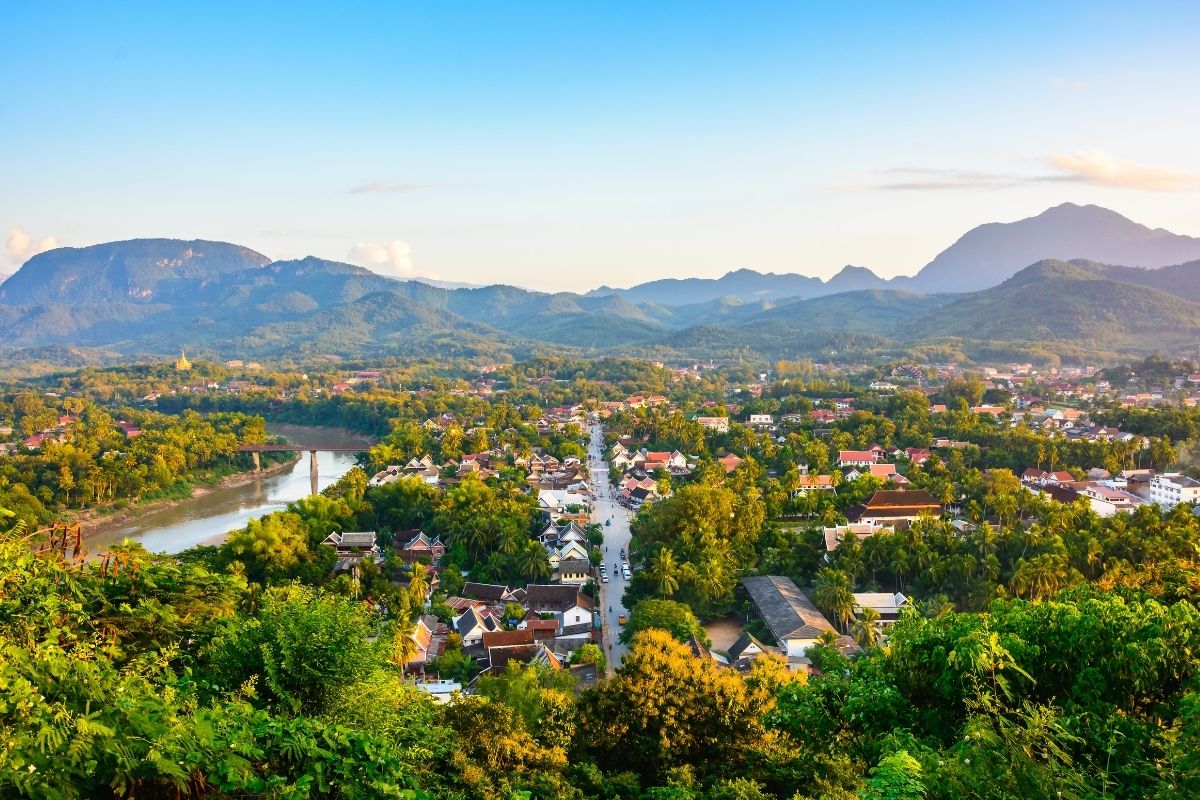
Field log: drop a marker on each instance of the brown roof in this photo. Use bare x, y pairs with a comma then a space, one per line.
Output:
521, 653
901, 498
555, 597
485, 591
507, 638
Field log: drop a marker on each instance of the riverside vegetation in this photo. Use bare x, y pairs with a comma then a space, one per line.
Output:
1051, 653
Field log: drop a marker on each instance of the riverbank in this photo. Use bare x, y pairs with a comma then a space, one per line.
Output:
97, 520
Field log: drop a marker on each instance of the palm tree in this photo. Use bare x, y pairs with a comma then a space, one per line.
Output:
832, 592
827, 639
510, 540
418, 583
404, 647
532, 562
662, 571
1039, 577
865, 629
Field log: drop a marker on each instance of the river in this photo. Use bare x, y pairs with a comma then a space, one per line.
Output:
209, 516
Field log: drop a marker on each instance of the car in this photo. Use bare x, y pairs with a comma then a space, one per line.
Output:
608, 522
621, 620
622, 552
603, 577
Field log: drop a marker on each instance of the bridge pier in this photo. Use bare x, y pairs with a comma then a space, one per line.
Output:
312, 469
257, 461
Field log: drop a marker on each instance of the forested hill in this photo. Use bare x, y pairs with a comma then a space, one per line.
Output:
983, 257
151, 297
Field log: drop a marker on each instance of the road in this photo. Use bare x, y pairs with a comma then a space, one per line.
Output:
616, 537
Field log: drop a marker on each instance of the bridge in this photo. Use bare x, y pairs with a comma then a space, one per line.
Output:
300, 448
312, 449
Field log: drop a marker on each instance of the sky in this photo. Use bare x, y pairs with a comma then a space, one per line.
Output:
561, 146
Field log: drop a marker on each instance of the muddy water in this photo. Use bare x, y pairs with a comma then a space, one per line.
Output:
207, 518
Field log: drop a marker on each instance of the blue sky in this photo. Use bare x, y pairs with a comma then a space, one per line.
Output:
565, 145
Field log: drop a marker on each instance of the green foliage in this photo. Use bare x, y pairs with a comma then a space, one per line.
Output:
304, 644
664, 615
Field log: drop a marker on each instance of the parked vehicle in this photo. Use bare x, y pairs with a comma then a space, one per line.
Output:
621, 620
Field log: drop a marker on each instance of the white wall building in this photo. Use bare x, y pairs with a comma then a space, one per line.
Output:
1171, 488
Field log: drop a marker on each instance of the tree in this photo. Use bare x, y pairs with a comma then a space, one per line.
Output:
663, 568
303, 644
533, 562
669, 616
865, 628
590, 654
895, 777
269, 548
667, 709
833, 594
404, 647
418, 584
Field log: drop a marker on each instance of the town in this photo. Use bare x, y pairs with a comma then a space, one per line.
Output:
512, 521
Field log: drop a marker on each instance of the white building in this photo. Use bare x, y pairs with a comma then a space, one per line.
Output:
789, 615
1171, 488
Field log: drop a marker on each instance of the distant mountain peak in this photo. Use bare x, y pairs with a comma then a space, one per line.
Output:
989, 254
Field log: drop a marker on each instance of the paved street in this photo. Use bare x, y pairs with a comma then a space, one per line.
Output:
616, 536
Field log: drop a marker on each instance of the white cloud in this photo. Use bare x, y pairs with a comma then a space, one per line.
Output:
1101, 169
392, 258
21, 247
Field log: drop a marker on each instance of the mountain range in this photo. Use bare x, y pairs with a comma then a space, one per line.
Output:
983, 257
154, 296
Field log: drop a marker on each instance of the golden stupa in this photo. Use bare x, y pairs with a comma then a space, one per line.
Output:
183, 364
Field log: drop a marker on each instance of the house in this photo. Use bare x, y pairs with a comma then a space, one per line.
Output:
441, 691
555, 501
416, 546
834, 536
813, 483
129, 429
541, 628
495, 642
555, 535
574, 571
359, 543
789, 615
622, 461
917, 455
473, 624
563, 600
488, 592
746, 649
890, 506
729, 462
536, 653
1043, 478
857, 458
422, 637
568, 550
719, 424
761, 420
884, 471
674, 461
888, 604
1171, 488
1107, 500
